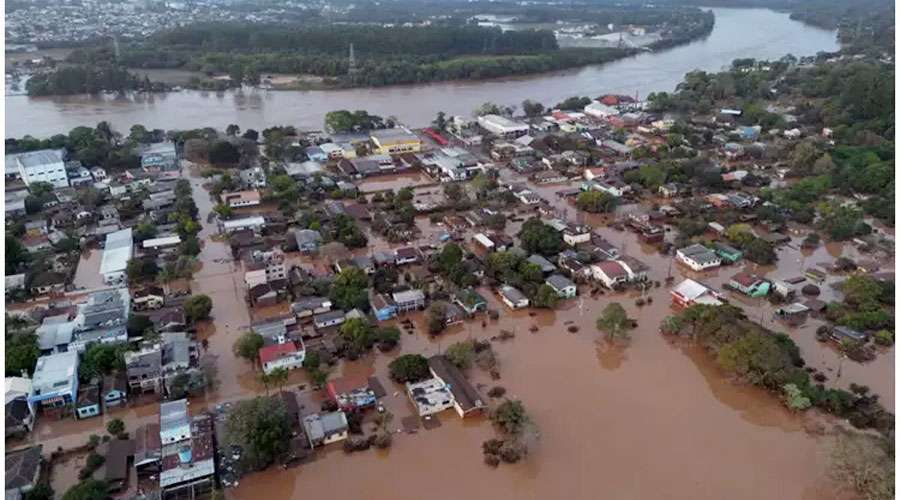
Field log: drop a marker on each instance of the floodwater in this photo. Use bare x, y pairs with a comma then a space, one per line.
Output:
648, 419
630, 427
756, 33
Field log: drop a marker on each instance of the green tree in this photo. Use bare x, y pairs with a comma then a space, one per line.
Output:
101, 359
532, 108
545, 297
795, 398
16, 254
461, 354
261, 426
538, 237
197, 308
510, 417
760, 251
357, 332
614, 322
247, 346
21, 353
596, 202
116, 427
409, 368
89, 489
349, 289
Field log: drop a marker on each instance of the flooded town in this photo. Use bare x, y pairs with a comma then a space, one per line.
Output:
685, 294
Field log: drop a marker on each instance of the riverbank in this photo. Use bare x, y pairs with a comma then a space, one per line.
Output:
734, 35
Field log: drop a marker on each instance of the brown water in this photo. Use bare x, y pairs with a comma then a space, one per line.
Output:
756, 33
631, 428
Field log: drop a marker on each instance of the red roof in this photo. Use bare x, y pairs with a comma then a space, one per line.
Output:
610, 100
274, 352
744, 279
612, 269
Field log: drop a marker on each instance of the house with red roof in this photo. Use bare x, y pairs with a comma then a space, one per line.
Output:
285, 355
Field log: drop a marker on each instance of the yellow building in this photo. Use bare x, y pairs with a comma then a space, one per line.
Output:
392, 141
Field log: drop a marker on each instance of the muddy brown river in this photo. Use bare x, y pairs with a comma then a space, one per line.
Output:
738, 33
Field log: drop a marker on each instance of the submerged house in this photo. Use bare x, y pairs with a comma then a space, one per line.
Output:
749, 284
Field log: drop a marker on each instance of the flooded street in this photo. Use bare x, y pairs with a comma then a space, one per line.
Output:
623, 420
625, 426
736, 34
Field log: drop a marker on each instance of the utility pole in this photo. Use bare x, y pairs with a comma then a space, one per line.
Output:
351, 64
115, 40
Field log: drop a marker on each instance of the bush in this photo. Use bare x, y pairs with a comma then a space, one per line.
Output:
884, 337
461, 354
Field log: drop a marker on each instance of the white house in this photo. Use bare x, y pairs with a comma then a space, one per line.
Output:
285, 355
326, 428
576, 234
46, 165
698, 257
502, 126
564, 287
690, 292
513, 298
599, 110
116, 254
610, 273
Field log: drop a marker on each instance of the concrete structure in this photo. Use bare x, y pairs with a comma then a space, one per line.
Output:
286, 355
512, 297
163, 242
241, 199
117, 251
564, 287
55, 382
255, 223
430, 396
409, 300
322, 429
46, 165
187, 464
698, 257
690, 292
611, 273
502, 126
392, 141
466, 399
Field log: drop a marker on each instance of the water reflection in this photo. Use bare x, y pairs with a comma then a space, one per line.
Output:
735, 35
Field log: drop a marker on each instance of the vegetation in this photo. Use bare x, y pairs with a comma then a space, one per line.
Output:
247, 346
540, 238
773, 361
261, 427
101, 359
116, 427
21, 353
349, 290
197, 308
595, 202
461, 354
516, 429
614, 321
385, 55
89, 489
866, 463
409, 368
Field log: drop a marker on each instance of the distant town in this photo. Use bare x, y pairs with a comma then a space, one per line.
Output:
186, 309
